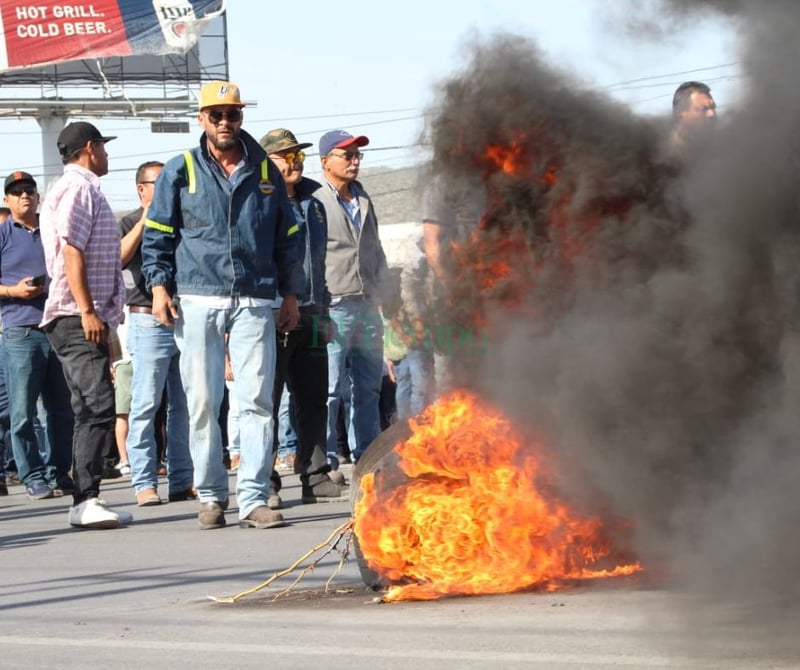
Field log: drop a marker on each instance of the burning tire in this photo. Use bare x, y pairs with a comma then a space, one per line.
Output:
460, 502
375, 457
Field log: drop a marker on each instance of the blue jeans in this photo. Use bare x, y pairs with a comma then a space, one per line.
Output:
32, 368
5, 435
234, 446
415, 383
358, 346
156, 365
200, 335
287, 437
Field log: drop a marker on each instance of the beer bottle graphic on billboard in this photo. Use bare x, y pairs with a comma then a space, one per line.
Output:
178, 23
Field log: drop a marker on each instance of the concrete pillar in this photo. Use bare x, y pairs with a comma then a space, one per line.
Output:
51, 159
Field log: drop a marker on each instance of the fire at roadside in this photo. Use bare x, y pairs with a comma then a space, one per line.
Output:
460, 508
642, 311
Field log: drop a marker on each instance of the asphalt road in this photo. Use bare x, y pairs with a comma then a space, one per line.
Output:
137, 597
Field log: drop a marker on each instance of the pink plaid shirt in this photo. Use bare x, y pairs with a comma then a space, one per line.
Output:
75, 212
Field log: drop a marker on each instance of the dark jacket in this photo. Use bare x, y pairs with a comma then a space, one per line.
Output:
313, 242
207, 236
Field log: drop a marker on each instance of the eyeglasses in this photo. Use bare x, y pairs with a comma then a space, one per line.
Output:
232, 115
148, 182
292, 157
349, 155
27, 190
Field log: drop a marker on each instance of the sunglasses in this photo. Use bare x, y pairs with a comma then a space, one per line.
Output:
349, 155
292, 157
18, 191
233, 115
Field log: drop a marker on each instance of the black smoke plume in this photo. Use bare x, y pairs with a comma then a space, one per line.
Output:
649, 324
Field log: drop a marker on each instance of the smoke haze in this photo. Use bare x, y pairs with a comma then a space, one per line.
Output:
655, 339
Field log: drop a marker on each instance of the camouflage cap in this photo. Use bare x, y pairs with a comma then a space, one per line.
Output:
281, 139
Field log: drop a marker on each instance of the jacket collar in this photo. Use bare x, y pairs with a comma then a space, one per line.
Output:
253, 151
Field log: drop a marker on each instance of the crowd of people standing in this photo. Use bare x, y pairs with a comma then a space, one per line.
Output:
234, 261
243, 279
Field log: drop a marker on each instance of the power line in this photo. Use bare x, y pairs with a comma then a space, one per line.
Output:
676, 83
671, 74
284, 120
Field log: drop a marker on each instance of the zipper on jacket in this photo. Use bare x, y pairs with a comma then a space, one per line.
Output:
304, 211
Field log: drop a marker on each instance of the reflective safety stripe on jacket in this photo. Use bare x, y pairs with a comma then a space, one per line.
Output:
265, 181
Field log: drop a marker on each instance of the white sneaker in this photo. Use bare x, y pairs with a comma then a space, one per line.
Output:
93, 513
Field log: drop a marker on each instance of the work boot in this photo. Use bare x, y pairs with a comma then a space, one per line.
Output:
262, 517
212, 514
148, 497
274, 500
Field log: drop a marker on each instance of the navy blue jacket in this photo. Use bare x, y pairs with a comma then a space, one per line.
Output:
207, 236
314, 242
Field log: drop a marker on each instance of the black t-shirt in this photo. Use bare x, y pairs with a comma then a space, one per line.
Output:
132, 272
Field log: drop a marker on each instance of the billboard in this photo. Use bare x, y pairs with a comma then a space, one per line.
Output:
48, 32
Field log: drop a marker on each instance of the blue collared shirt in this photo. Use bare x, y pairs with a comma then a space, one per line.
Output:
21, 255
351, 207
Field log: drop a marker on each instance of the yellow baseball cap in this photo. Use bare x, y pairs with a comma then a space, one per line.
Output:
220, 93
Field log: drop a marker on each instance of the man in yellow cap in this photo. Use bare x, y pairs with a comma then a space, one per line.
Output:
220, 241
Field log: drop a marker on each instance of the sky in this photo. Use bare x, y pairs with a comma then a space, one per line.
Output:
372, 68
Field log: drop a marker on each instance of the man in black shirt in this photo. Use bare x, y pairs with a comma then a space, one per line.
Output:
155, 357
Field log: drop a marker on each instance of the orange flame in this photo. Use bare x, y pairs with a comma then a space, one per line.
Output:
515, 160
472, 512
510, 159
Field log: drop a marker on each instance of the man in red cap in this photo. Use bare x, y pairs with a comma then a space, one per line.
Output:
356, 272
85, 299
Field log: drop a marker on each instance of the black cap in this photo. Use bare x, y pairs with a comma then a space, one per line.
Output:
75, 136
19, 177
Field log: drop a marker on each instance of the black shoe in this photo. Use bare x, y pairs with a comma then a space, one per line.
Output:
325, 491
275, 482
110, 472
3, 489
180, 496
64, 485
